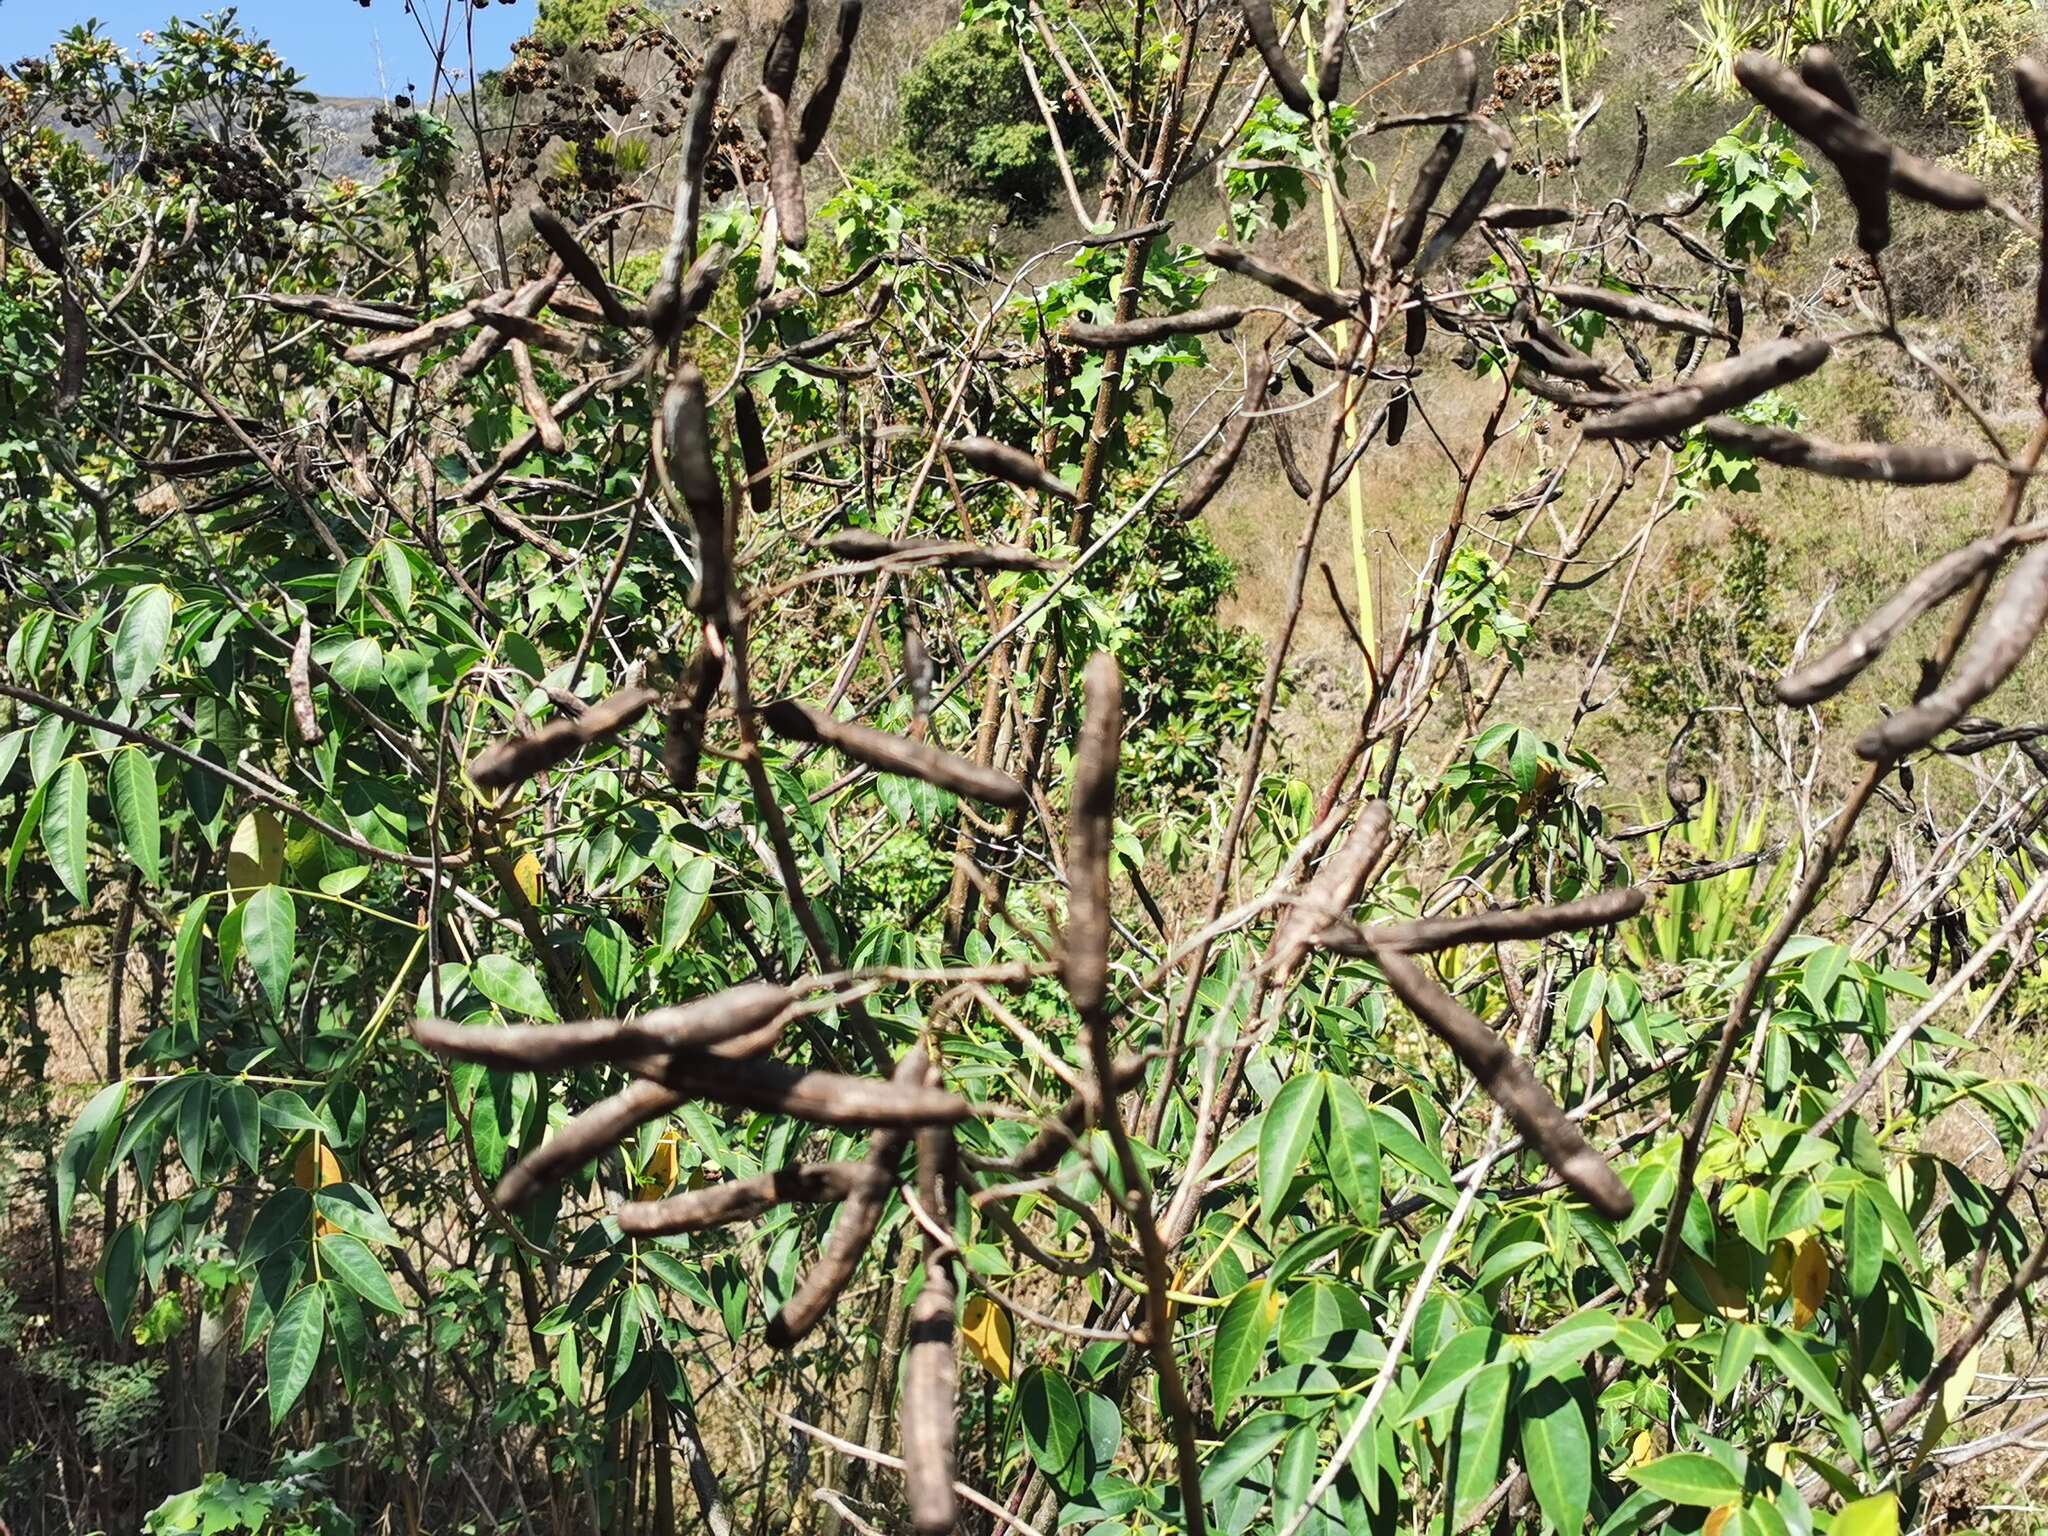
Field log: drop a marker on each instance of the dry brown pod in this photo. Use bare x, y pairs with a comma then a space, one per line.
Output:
1397, 418
518, 758
31, 224
785, 174
589, 1135
1406, 239
1507, 1080
1860, 153
338, 311
688, 434
852, 1231
1924, 181
889, 753
1283, 444
716, 1205
1330, 56
1997, 645
1258, 20
957, 554
824, 98
1216, 469
822, 1098
682, 739
1632, 306
1465, 213
928, 1410
740, 1022
299, 675
526, 303
1715, 388
746, 419
1933, 586
582, 266
1564, 362
785, 49
1524, 216
1011, 464
1091, 823
665, 309
1332, 892
534, 401
1424, 935
2030, 78
1417, 336
432, 333
1150, 328
1323, 303
1888, 463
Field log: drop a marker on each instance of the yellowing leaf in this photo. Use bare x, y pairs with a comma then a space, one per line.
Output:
1955, 1392
1687, 1319
1644, 1449
255, 853
1809, 1281
1775, 1456
1874, 1516
527, 873
1719, 1518
315, 1165
986, 1328
659, 1176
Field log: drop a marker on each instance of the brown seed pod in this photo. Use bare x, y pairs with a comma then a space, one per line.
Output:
2030, 77
1258, 20
824, 97
1091, 822
299, 675
1466, 212
385, 349
1150, 328
785, 49
588, 1135
956, 554
929, 1383
852, 1231
534, 401
1997, 645
1397, 418
1332, 893
1631, 306
717, 1205
887, 753
1429, 180
746, 419
785, 174
491, 339
1859, 152
1924, 181
695, 477
1523, 216
1330, 57
739, 1022
1507, 1080
1424, 935
1217, 468
682, 741
582, 266
1011, 464
1933, 586
1711, 390
338, 311
1417, 336
917, 675
518, 758
30, 223
1889, 463
1283, 443
822, 1098
1323, 303
1560, 359
664, 300
72, 359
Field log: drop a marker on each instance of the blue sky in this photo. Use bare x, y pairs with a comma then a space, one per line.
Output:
342, 48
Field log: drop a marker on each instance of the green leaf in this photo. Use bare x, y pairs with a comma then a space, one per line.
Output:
131, 782
142, 639
1687, 1477
346, 1256
1566, 1343
1874, 1516
1284, 1134
195, 1125
397, 573
358, 666
241, 1118
64, 814
687, 895
512, 986
1240, 1347
1476, 1442
270, 939
1452, 1370
353, 1209
31, 818
1323, 1321
1053, 1432
1557, 1453
118, 1275
1247, 1448
1805, 1373
293, 1349
88, 1149
1863, 1239
1353, 1149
